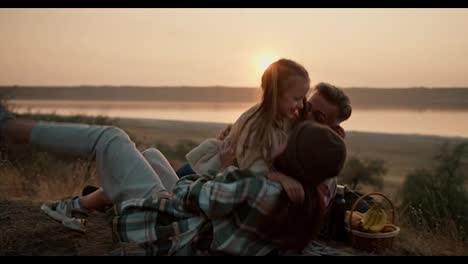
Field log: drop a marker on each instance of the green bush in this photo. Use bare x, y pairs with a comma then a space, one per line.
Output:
438, 199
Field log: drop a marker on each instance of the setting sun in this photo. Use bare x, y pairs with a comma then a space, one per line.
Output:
263, 61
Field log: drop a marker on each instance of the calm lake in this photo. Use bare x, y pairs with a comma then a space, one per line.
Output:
442, 123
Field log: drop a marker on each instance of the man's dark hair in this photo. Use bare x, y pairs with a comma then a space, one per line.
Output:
337, 97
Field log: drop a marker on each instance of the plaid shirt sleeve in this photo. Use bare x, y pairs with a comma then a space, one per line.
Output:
233, 200
218, 196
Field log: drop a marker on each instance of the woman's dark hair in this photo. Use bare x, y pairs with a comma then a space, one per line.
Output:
314, 153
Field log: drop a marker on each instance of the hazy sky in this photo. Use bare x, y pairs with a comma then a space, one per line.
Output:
346, 47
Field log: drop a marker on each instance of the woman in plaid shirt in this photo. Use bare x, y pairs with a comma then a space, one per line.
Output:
233, 212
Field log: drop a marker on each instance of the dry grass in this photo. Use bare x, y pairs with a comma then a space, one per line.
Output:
46, 177
40, 176
427, 242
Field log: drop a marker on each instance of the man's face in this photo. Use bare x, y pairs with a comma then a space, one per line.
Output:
322, 111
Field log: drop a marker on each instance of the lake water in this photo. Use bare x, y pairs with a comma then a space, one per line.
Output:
442, 123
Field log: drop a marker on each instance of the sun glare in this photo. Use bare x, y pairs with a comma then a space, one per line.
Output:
263, 62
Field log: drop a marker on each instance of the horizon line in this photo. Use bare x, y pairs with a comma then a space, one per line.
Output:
218, 86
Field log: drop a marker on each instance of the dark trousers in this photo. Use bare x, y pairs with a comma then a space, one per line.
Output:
184, 170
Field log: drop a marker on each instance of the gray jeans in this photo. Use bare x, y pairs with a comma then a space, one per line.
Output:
124, 172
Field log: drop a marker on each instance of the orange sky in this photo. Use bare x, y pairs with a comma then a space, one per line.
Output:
152, 47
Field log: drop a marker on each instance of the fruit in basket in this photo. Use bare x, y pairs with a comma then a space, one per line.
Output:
388, 228
374, 219
355, 220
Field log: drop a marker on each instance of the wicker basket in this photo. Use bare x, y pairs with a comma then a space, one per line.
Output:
372, 242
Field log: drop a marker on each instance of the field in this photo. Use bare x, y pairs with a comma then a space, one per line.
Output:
30, 177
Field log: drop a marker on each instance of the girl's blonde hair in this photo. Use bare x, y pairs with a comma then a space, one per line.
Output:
274, 84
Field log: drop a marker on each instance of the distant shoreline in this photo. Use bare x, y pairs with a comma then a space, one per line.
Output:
419, 99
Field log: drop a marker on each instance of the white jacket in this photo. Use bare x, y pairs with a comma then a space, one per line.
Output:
205, 156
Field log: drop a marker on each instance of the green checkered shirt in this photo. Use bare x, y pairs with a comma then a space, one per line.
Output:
205, 215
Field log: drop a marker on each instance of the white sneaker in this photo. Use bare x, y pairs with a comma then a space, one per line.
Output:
64, 212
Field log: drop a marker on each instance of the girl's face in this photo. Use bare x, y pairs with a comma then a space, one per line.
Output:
290, 102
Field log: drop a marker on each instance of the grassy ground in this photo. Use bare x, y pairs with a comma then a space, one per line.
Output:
29, 177
27, 231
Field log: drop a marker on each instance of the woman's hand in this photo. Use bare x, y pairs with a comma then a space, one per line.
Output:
227, 154
293, 188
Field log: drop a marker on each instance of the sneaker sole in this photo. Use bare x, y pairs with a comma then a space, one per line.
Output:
72, 223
